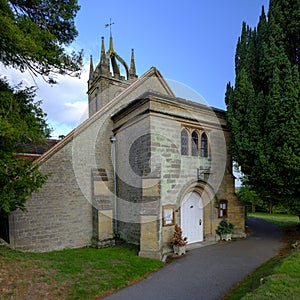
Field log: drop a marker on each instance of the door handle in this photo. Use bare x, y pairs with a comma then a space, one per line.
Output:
200, 222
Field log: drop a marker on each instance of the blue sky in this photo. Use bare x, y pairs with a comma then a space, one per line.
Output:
192, 42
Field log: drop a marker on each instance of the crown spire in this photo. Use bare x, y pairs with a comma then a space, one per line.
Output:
110, 70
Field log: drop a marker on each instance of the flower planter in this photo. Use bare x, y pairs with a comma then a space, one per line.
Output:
224, 230
178, 241
179, 250
226, 237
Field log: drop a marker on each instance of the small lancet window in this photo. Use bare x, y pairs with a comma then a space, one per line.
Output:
184, 142
195, 140
204, 145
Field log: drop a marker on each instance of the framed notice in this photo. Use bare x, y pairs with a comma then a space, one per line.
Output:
168, 215
223, 208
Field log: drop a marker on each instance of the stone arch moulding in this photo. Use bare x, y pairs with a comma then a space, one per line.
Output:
202, 188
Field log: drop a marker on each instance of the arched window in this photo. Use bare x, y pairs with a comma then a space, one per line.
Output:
184, 142
195, 140
204, 145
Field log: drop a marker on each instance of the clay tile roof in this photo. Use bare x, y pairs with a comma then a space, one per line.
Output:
32, 151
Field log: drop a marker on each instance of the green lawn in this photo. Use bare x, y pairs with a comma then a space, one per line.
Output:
280, 220
279, 278
284, 283
85, 273
91, 273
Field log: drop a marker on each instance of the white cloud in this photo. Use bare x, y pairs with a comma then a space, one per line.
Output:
183, 91
76, 111
65, 103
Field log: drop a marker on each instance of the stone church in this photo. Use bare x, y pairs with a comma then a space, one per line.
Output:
142, 162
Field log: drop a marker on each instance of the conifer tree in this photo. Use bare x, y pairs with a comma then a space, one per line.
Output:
33, 36
264, 105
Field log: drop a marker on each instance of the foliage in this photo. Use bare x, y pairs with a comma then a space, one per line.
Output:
249, 197
22, 121
263, 107
33, 36
177, 238
254, 203
224, 227
85, 273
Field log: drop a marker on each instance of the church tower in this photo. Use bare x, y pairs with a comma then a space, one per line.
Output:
106, 81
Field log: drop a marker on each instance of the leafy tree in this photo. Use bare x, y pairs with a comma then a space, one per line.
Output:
33, 36
264, 105
22, 121
249, 197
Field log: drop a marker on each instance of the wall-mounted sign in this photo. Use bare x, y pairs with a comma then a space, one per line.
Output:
168, 215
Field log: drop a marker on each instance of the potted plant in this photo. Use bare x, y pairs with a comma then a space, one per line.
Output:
178, 241
224, 230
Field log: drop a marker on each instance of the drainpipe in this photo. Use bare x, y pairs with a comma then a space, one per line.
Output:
113, 140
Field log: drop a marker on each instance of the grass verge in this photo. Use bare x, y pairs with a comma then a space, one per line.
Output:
283, 283
282, 221
71, 274
278, 278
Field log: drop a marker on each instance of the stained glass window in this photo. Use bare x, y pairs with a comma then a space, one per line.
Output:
204, 145
195, 140
184, 142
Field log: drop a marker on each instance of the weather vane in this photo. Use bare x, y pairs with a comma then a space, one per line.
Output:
109, 25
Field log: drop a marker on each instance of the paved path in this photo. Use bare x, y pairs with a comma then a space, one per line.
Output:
208, 272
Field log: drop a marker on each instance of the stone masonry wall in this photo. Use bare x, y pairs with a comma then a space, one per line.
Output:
105, 90
179, 173
236, 209
60, 214
56, 217
133, 155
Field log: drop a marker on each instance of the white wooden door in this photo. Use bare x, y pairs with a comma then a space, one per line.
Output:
192, 217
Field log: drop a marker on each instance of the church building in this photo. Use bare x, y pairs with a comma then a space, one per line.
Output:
142, 162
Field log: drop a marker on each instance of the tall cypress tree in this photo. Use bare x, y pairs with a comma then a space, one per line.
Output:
264, 105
